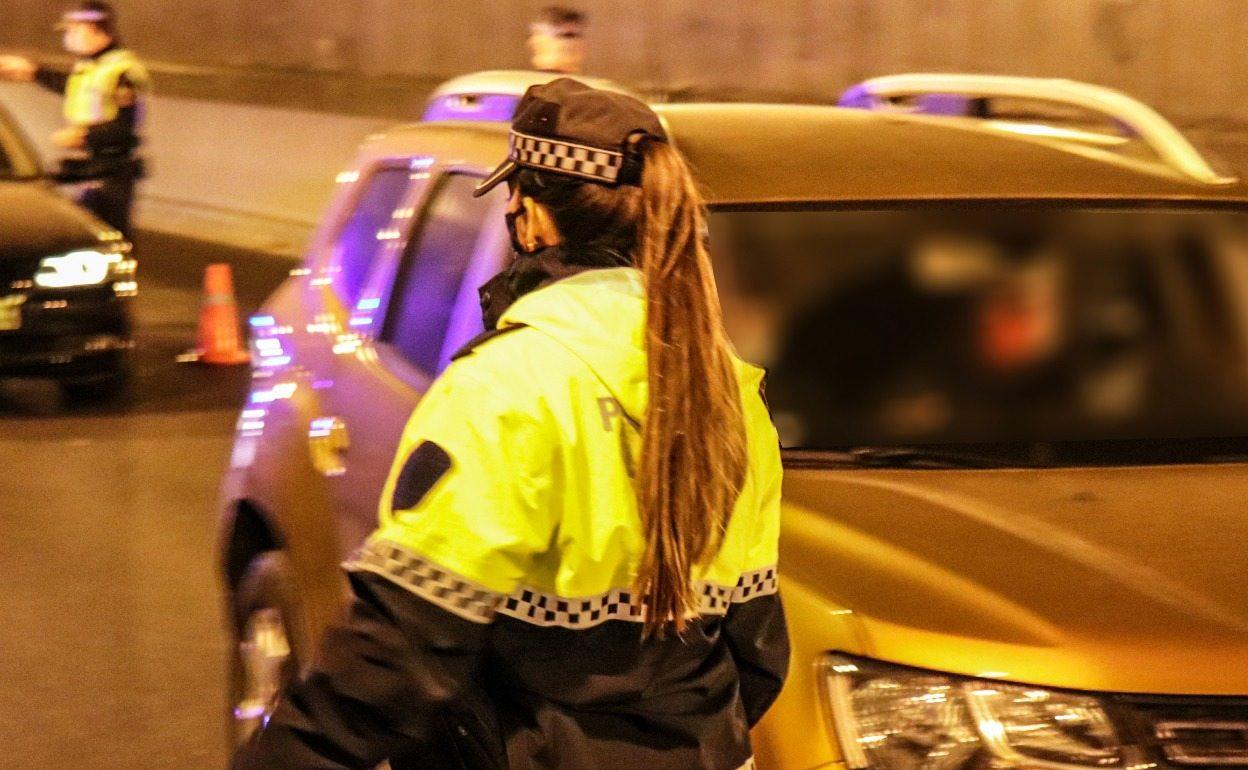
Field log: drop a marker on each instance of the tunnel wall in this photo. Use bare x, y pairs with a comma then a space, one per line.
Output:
271, 96
1182, 55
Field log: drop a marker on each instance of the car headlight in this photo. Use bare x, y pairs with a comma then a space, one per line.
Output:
894, 718
86, 267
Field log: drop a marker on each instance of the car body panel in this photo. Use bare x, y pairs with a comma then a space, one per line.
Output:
750, 153
22, 158
297, 500
271, 466
1047, 577
36, 222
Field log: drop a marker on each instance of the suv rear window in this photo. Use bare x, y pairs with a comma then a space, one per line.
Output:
430, 283
1033, 334
361, 237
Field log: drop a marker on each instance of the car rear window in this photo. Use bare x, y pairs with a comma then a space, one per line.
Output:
364, 232
431, 280
1024, 331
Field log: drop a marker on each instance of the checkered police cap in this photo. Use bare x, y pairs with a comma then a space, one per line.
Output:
566, 127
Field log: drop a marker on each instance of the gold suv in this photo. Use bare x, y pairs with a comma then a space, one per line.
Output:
1008, 360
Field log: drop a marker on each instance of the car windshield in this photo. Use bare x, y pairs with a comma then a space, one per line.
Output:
1036, 334
17, 160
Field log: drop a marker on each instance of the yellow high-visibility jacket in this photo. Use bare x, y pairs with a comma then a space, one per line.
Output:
542, 428
91, 92
502, 571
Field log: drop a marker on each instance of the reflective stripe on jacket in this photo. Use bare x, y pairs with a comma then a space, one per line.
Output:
497, 591
91, 91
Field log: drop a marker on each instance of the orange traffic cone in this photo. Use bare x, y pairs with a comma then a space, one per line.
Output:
219, 340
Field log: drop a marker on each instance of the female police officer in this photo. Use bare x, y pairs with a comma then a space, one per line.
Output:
576, 564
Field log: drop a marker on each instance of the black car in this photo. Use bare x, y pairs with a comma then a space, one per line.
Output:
66, 282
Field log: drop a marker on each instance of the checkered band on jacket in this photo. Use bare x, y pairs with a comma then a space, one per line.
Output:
432, 583
754, 584
474, 602
566, 157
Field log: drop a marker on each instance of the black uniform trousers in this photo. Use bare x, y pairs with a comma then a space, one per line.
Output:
110, 198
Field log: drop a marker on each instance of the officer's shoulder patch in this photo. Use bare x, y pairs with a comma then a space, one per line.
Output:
424, 467
483, 338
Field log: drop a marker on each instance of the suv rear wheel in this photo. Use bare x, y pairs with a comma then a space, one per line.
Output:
268, 641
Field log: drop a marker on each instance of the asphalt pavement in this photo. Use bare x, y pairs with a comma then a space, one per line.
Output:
112, 645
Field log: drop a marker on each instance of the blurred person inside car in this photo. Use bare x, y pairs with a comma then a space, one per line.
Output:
1013, 330
577, 553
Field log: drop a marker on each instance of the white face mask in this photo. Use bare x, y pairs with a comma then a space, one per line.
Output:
554, 51
81, 40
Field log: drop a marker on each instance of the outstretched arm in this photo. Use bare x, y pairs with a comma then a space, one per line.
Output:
21, 70
52, 80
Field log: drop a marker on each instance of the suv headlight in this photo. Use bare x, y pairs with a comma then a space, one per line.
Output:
85, 267
894, 718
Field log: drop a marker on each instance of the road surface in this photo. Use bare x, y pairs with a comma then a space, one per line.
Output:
112, 647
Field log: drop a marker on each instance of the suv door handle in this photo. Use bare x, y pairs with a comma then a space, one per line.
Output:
327, 442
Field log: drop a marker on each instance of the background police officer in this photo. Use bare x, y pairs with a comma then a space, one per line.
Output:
557, 40
104, 96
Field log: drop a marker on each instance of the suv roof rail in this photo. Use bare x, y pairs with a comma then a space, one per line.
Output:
1166, 141
493, 96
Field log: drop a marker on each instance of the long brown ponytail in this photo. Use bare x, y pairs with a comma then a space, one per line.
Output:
693, 451
693, 447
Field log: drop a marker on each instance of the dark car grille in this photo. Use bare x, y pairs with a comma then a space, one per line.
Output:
1189, 732
15, 270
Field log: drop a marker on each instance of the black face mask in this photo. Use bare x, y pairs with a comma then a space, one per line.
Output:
511, 217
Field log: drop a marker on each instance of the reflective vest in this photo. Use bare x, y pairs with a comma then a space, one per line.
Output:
91, 93
529, 491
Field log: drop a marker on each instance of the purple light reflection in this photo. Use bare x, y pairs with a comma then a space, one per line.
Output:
477, 107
